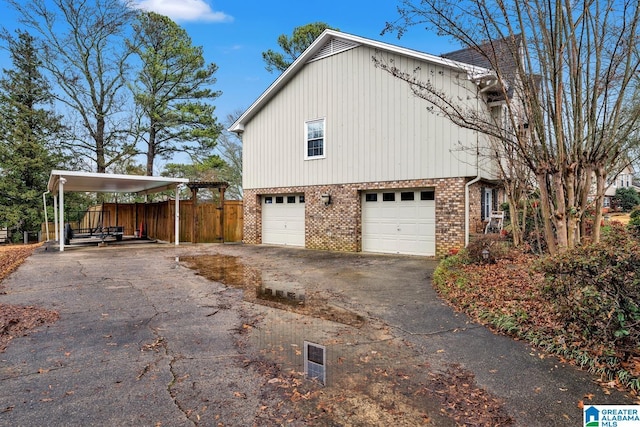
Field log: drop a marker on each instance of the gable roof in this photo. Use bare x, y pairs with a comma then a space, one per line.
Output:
498, 55
331, 42
493, 54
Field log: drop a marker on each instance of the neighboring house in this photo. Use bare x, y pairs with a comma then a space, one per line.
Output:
338, 154
623, 180
4, 235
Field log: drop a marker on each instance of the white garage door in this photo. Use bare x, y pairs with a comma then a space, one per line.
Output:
399, 221
283, 219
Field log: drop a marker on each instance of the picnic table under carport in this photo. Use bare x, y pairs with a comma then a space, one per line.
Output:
61, 181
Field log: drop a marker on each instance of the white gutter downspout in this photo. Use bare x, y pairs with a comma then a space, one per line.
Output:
493, 83
46, 219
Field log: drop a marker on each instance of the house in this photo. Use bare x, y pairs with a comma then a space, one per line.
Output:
623, 180
4, 235
341, 155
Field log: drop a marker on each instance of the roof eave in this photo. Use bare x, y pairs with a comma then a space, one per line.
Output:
239, 124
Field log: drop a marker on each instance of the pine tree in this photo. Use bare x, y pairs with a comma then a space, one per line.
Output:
28, 133
172, 90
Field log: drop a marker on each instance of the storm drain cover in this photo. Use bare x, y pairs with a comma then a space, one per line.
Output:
315, 356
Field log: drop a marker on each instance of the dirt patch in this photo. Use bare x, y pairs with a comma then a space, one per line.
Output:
16, 321
381, 380
622, 218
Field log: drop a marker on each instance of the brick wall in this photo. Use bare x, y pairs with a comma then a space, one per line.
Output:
475, 208
337, 227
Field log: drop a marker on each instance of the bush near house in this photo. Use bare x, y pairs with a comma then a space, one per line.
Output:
582, 305
626, 199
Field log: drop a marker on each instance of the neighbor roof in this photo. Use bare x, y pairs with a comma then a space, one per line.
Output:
343, 41
111, 183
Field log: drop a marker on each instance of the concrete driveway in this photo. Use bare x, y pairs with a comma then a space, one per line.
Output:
143, 340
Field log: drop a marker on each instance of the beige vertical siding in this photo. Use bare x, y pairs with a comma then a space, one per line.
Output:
376, 129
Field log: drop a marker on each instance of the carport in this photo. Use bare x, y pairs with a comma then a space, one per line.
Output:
61, 181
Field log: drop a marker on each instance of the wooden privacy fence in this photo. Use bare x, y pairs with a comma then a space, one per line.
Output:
210, 224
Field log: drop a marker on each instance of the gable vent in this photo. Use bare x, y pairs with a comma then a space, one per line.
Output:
332, 47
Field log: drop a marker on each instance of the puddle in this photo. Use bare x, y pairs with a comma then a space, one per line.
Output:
270, 288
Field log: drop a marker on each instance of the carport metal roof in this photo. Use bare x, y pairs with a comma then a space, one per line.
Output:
111, 183
61, 181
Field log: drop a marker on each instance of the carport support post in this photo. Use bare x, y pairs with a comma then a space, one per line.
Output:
177, 216
194, 214
55, 218
61, 183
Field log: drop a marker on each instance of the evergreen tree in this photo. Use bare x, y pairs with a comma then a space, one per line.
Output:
293, 46
172, 90
28, 132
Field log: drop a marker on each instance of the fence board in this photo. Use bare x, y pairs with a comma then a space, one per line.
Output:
156, 220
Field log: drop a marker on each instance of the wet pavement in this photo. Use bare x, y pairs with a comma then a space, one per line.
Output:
144, 340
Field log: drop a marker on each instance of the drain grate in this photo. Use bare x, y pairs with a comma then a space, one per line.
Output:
315, 356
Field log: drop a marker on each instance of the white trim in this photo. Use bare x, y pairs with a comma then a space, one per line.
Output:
324, 139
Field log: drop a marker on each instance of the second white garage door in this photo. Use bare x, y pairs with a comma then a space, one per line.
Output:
399, 221
283, 219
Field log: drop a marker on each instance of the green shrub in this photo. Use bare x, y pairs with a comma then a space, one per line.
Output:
627, 198
596, 291
448, 270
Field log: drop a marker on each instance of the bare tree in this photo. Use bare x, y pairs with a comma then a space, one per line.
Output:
563, 74
230, 147
83, 48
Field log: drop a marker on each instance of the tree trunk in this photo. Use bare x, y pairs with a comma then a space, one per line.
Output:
545, 207
151, 149
101, 163
571, 213
560, 214
599, 202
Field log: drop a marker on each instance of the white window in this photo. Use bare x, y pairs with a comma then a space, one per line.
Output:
314, 139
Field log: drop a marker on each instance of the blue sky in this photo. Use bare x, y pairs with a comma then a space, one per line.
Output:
234, 34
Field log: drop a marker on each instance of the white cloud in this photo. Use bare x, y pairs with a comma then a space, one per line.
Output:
183, 10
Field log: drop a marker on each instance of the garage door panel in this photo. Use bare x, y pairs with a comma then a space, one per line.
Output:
398, 226
283, 223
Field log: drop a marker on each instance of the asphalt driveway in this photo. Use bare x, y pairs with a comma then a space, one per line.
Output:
144, 340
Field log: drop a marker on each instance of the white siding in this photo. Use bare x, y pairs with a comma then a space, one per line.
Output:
376, 129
